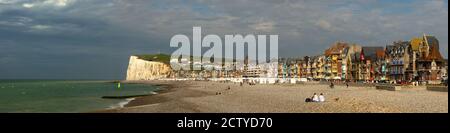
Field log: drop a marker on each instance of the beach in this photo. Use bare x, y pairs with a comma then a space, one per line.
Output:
215, 97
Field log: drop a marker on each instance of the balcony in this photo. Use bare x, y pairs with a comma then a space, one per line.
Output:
423, 68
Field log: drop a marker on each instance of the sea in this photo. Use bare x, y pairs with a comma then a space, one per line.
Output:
65, 96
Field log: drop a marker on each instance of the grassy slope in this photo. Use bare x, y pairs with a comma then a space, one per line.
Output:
155, 57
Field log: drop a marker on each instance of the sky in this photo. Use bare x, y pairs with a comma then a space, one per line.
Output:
93, 39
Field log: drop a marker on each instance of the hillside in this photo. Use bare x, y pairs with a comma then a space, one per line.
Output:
155, 57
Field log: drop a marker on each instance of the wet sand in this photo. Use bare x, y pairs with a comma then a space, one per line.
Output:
215, 97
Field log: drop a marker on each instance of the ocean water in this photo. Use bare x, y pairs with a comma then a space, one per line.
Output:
57, 96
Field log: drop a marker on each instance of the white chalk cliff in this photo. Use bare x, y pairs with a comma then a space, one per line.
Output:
139, 69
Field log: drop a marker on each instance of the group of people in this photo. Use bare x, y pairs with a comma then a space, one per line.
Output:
332, 84
316, 98
248, 82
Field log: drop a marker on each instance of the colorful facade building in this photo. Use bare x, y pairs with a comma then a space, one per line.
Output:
381, 66
333, 59
306, 67
317, 67
401, 62
398, 59
352, 62
429, 61
416, 61
444, 72
370, 63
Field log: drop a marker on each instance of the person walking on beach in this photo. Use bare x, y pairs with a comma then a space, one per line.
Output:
321, 98
315, 98
331, 85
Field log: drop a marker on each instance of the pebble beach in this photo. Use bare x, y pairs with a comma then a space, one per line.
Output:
218, 97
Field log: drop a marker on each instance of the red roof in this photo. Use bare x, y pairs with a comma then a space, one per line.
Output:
434, 53
336, 48
380, 54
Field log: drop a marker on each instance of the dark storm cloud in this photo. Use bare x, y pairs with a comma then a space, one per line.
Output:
94, 38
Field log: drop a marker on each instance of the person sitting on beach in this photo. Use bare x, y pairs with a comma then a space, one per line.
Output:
321, 98
315, 98
308, 100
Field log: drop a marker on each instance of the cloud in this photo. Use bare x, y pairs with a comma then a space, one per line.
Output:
324, 25
28, 5
60, 3
16, 21
110, 30
6, 2
263, 26
40, 27
48, 3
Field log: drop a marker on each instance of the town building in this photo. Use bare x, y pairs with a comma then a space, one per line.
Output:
429, 61
370, 58
398, 59
417, 61
333, 59
318, 67
352, 62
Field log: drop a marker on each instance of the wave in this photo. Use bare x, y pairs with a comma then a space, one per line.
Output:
121, 104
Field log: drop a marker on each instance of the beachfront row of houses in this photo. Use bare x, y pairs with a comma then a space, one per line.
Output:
417, 61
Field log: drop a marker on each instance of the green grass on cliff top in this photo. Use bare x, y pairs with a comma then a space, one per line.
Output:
164, 58
155, 57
